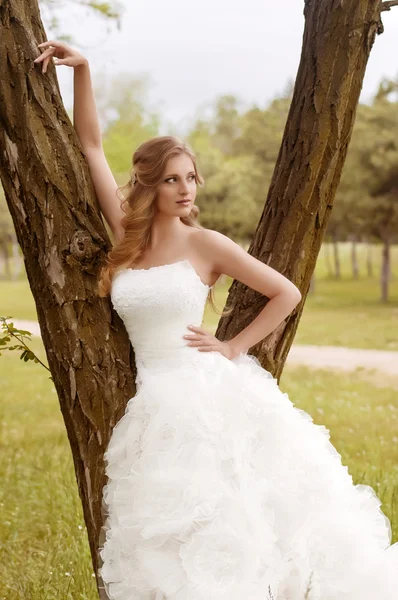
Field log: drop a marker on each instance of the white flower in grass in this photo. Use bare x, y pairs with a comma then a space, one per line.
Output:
67, 574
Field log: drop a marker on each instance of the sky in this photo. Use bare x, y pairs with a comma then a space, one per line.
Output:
195, 52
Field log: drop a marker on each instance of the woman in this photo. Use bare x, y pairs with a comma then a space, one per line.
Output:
218, 488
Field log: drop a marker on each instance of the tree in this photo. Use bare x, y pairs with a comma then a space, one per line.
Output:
63, 239
8, 244
367, 203
52, 15
231, 199
123, 106
378, 161
226, 123
309, 165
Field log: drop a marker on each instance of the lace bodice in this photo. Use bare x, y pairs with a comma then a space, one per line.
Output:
156, 306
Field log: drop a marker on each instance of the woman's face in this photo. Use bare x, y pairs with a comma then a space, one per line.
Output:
178, 184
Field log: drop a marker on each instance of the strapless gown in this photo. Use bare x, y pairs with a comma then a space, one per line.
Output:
218, 487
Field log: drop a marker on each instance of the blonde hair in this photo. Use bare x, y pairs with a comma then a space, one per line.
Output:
138, 203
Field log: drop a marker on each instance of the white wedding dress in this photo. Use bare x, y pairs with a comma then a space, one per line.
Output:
218, 487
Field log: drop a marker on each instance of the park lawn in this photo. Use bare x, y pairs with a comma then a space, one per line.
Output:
44, 553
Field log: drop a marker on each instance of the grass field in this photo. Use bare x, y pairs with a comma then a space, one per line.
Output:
44, 553
343, 312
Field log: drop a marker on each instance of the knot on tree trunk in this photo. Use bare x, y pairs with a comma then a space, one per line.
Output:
83, 250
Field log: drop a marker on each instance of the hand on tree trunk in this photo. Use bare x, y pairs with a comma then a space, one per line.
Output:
62, 54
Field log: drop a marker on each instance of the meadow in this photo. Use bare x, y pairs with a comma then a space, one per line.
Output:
44, 553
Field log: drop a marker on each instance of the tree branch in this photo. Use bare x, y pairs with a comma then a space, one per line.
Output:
388, 5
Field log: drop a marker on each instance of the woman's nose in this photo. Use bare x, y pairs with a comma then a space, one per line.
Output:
184, 189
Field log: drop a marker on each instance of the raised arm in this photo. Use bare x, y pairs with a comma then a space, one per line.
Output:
86, 123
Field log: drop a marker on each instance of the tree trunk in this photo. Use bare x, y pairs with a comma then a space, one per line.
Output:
16, 256
6, 258
329, 269
385, 271
354, 258
336, 258
63, 240
369, 261
337, 41
311, 289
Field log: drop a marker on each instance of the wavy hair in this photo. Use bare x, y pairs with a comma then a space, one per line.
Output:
138, 201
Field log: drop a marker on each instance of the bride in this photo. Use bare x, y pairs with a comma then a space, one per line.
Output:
218, 487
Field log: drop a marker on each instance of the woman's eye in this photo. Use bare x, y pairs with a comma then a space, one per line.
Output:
174, 178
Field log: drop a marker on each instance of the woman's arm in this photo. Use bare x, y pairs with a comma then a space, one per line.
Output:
225, 256
86, 123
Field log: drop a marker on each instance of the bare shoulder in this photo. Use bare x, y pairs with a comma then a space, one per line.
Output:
216, 248
227, 257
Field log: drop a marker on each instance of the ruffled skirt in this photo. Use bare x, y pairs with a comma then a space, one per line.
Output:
220, 489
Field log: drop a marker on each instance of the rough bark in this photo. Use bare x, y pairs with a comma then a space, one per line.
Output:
337, 41
63, 239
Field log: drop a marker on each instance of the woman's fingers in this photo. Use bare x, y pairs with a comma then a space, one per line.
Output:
43, 56
208, 349
51, 43
197, 329
62, 61
204, 341
45, 59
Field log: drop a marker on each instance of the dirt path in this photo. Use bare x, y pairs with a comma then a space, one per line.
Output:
326, 357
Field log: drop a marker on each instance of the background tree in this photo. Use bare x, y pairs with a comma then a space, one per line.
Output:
367, 199
127, 119
10, 258
53, 13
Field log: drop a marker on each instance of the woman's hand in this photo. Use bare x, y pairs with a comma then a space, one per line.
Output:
62, 54
206, 342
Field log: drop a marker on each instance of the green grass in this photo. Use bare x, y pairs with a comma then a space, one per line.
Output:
16, 300
44, 553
